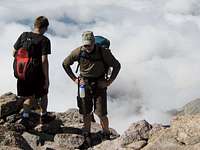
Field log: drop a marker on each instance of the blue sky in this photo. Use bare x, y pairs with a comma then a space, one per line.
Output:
156, 41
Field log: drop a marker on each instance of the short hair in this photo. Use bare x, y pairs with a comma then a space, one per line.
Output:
41, 22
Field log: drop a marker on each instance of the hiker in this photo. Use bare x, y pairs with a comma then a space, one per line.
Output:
92, 59
34, 85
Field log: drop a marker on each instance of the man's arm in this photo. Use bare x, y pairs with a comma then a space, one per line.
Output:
69, 72
45, 68
112, 62
116, 68
68, 61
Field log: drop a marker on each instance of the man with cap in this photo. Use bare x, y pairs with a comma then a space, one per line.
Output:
92, 59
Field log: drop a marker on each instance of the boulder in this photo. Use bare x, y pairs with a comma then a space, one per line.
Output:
12, 139
64, 131
9, 104
136, 132
184, 134
69, 140
70, 117
36, 140
191, 108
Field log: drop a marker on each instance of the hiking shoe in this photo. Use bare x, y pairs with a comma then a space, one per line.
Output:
46, 118
87, 141
84, 146
24, 121
106, 135
109, 135
87, 138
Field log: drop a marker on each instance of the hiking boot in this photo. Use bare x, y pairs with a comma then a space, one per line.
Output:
109, 135
46, 118
106, 135
84, 146
87, 140
24, 121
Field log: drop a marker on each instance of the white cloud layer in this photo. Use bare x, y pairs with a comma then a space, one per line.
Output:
156, 41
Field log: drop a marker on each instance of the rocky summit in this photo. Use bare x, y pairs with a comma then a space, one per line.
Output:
64, 131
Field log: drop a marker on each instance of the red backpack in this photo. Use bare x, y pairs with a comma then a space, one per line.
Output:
21, 63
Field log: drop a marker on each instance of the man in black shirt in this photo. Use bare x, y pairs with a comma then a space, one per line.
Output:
35, 87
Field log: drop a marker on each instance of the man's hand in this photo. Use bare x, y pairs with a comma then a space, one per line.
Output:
81, 81
76, 80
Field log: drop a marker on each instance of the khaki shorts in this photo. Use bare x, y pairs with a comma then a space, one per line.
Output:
96, 100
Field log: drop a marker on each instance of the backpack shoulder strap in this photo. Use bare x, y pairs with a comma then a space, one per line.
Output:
79, 56
101, 49
106, 67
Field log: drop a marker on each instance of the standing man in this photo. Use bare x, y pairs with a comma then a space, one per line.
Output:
93, 60
35, 86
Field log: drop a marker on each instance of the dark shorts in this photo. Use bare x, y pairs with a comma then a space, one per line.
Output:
31, 87
96, 100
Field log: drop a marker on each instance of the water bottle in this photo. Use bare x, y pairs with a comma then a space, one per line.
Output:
82, 90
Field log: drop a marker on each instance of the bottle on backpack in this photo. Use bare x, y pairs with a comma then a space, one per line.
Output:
82, 91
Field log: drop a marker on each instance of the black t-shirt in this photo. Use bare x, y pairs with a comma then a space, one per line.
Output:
41, 44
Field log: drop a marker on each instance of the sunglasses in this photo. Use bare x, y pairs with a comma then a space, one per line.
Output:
87, 46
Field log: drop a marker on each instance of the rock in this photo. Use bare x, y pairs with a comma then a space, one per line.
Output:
32, 140
12, 118
191, 108
137, 145
65, 132
69, 140
9, 104
136, 132
9, 148
14, 127
156, 128
111, 145
53, 146
70, 117
164, 139
37, 139
12, 139
184, 134
187, 129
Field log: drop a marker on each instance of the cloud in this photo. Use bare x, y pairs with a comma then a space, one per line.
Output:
186, 8
157, 43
